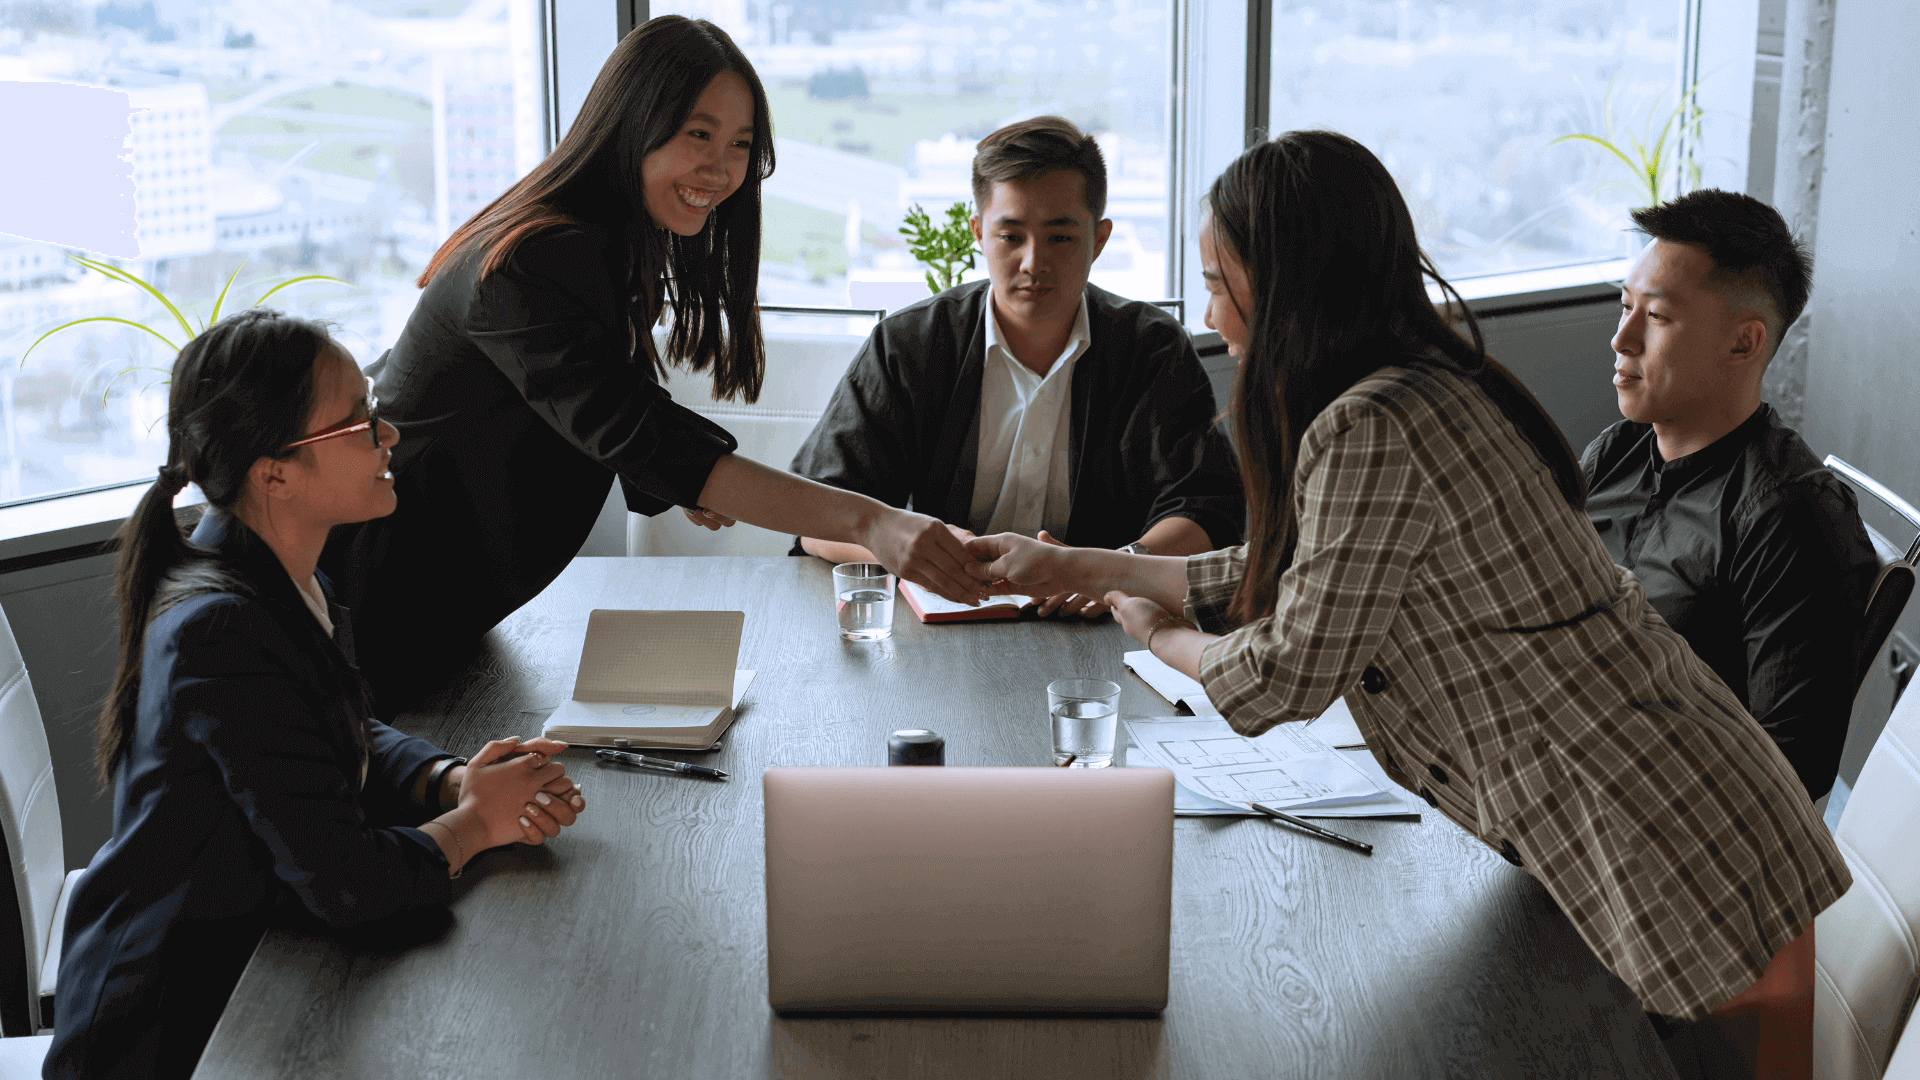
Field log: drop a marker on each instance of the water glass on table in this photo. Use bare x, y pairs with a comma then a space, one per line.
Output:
863, 597
1085, 714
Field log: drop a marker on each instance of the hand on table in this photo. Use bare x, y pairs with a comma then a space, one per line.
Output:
929, 553
711, 520
518, 792
1068, 604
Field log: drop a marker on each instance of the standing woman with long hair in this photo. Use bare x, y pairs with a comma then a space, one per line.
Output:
527, 378
1416, 544
247, 774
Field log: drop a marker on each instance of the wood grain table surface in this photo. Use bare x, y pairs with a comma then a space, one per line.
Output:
635, 943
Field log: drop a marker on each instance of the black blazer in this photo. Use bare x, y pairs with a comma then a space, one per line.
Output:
903, 426
518, 400
241, 791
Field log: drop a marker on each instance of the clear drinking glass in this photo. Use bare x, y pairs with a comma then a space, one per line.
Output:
1085, 714
863, 596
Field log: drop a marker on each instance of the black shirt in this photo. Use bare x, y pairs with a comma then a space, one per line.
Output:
519, 399
903, 426
1754, 553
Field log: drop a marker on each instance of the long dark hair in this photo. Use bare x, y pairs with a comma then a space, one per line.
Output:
241, 391
638, 103
1338, 293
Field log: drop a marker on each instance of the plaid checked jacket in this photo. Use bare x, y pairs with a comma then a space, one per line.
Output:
1502, 666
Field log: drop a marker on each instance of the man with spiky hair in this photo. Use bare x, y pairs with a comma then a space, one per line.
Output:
1746, 545
1034, 402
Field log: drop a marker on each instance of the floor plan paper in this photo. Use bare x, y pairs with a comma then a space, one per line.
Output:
1335, 726
1285, 768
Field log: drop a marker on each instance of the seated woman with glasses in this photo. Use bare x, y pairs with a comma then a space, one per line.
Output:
1416, 543
246, 770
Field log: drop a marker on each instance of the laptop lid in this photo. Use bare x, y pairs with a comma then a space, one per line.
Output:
968, 889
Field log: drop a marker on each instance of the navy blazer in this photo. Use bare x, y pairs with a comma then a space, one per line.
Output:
240, 790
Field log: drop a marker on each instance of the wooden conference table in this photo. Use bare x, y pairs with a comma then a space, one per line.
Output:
634, 944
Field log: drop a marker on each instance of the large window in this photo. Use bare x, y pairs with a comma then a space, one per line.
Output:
1461, 100
877, 105
343, 138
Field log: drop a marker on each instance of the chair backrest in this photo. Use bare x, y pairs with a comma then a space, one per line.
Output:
1894, 584
30, 829
1867, 946
802, 371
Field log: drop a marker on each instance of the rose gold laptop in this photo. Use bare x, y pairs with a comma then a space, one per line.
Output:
968, 890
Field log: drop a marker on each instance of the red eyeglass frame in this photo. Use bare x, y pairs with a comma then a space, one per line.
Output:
371, 423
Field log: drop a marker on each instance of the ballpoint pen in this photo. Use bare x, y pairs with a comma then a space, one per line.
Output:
1364, 849
625, 758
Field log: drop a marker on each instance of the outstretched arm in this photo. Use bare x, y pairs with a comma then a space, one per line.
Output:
914, 546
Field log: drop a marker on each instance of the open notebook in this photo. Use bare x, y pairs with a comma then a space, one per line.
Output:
654, 679
930, 607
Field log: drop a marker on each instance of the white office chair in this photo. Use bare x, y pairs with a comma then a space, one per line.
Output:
1867, 946
802, 371
37, 890
1906, 1055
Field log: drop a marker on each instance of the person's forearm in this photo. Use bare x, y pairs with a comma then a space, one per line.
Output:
1177, 536
835, 552
1096, 571
748, 491
1180, 648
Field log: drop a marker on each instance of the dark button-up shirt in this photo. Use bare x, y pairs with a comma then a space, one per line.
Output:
1754, 553
903, 426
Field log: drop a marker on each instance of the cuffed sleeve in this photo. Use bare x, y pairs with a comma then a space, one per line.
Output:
1365, 521
279, 757
561, 337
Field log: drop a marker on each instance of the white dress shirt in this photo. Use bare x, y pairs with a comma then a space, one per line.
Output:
1022, 477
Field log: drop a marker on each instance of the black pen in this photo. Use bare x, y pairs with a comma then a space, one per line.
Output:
1364, 849
625, 758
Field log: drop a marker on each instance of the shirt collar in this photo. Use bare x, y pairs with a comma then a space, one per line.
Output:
1715, 455
1077, 340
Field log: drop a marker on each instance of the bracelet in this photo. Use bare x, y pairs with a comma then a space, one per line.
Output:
1164, 620
458, 847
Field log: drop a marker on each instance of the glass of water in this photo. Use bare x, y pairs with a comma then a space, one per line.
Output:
1085, 713
863, 595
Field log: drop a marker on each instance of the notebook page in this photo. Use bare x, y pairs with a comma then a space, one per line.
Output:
660, 657
934, 604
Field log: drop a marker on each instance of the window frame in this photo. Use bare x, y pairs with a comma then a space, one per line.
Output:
1213, 116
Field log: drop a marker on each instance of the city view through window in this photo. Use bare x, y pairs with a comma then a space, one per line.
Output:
347, 138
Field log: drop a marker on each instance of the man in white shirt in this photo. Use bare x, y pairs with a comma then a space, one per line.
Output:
1034, 402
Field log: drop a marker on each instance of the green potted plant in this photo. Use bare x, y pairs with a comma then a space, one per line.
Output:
173, 309
1653, 155
946, 247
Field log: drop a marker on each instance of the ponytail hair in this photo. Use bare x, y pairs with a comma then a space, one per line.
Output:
241, 391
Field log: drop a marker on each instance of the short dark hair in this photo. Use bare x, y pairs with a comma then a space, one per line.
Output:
1756, 260
1024, 150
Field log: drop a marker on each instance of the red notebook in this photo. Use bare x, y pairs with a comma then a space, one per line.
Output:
932, 608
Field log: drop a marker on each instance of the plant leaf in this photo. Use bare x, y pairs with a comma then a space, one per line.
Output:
185, 326
1604, 145
222, 298
95, 318
296, 281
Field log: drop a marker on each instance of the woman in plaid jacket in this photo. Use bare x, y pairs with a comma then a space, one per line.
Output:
1416, 543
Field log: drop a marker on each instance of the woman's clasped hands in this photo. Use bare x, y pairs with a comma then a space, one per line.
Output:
511, 791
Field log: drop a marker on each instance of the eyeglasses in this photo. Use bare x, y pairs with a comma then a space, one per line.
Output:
370, 424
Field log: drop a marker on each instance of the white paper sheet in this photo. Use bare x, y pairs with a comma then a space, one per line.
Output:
1285, 768
1335, 726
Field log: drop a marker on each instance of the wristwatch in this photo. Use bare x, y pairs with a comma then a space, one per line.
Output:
1137, 548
